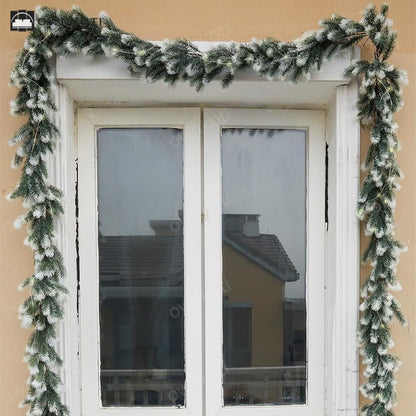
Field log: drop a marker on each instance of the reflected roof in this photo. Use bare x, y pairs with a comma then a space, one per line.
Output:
157, 260
267, 251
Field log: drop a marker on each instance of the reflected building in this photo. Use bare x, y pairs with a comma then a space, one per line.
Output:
141, 281
141, 317
258, 328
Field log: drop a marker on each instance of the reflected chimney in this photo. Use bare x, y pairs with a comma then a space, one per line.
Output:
166, 227
247, 224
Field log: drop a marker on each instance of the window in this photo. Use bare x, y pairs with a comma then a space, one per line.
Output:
202, 246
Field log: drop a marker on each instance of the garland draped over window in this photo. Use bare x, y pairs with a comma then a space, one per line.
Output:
66, 32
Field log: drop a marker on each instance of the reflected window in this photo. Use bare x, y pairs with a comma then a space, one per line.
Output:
141, 282
264, 246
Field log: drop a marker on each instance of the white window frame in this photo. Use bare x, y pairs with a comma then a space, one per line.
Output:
89, 121
82, 82
313, 123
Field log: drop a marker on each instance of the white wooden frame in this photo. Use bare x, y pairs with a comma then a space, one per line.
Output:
342, 280
313, 122
88, 121
80, 84
62, 173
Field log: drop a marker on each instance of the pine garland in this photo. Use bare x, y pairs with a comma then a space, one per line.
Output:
66, 32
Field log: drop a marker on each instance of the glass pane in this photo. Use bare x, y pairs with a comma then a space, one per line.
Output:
140, 204
264, 250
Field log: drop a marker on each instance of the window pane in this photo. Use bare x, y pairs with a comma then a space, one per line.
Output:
140, 204
264, 246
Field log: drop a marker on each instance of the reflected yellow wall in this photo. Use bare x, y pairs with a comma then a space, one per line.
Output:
214, 20
245, 281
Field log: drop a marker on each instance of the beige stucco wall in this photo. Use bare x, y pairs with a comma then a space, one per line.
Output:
214, 20
246, 281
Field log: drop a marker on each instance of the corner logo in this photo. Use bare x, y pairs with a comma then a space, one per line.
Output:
22, 20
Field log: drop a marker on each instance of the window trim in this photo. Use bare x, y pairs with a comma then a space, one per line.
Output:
342, 267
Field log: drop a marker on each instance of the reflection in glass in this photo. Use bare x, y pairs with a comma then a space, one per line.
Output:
140, 204
264, 246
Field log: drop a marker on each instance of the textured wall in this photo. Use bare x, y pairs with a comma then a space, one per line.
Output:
213, 20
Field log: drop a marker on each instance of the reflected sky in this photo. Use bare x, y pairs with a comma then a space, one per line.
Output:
127, 202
